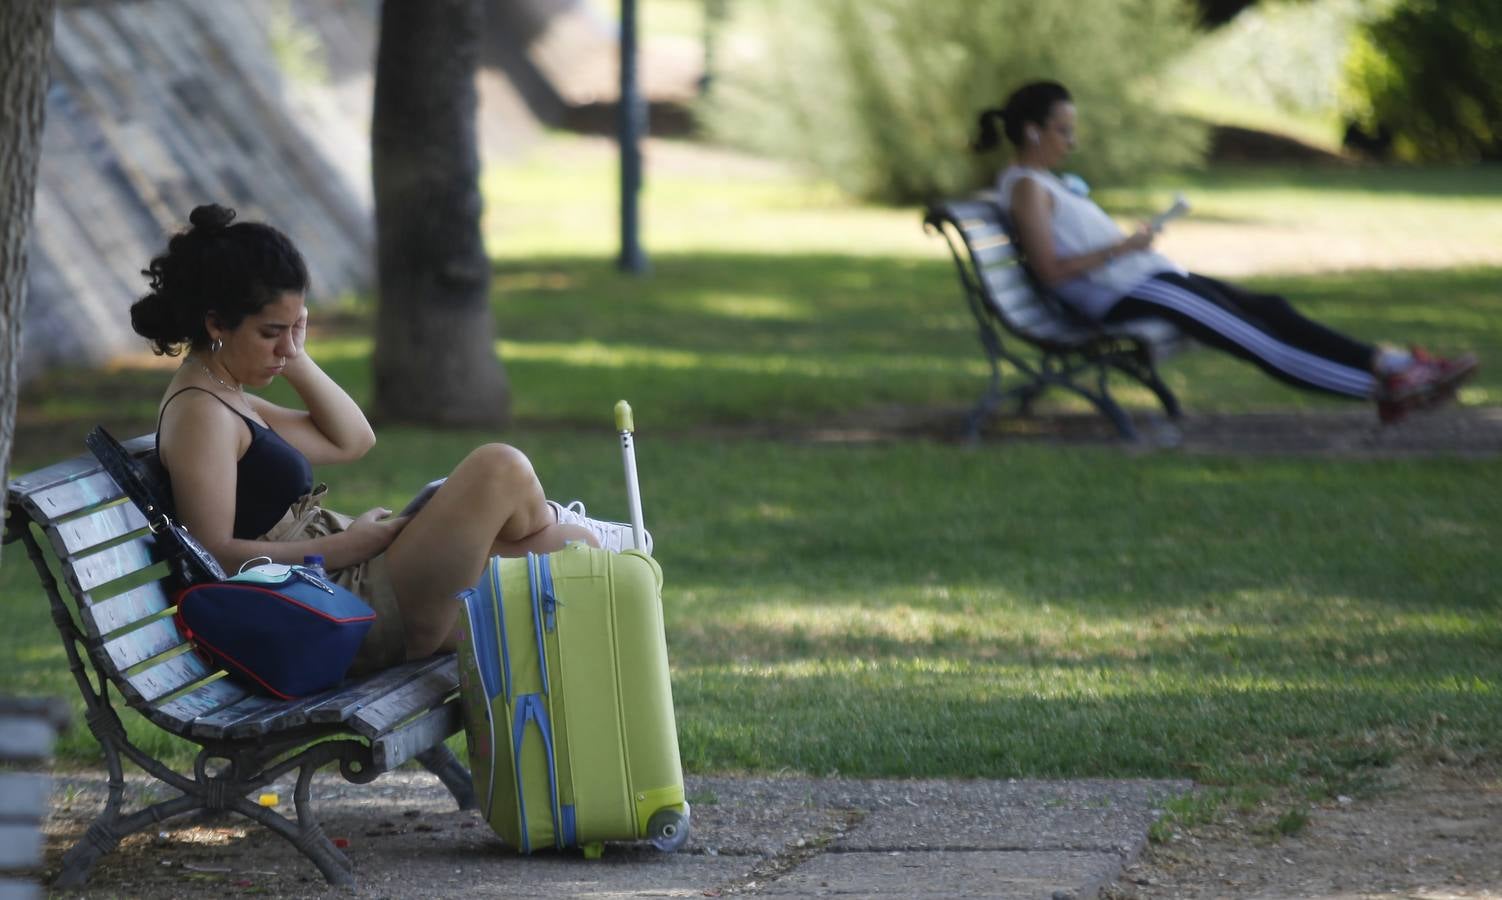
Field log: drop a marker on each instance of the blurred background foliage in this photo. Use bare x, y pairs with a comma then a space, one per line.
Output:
881, 96
1278, 65
1427, 76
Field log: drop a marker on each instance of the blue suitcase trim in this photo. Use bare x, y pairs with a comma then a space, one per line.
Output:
533, 709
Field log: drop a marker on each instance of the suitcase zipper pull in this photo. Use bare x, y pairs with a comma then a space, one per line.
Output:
550, 601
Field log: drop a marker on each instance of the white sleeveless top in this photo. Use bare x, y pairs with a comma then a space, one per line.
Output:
1080, 227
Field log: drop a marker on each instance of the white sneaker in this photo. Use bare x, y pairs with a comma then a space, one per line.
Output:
615, 536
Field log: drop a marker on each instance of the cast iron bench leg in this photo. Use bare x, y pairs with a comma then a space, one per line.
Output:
441, 761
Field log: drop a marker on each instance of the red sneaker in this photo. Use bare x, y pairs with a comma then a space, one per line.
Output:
1431, 381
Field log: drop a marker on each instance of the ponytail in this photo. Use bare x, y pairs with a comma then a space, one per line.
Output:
988, 135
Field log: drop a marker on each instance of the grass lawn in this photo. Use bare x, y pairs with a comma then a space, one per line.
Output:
1266, 626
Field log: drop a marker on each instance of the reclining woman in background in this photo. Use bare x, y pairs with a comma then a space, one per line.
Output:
232, 297
1080, 254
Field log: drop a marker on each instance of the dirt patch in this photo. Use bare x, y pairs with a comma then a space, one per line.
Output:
1432, 835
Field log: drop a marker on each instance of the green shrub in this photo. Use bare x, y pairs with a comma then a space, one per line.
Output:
881, 96
1284, 55
1429, 72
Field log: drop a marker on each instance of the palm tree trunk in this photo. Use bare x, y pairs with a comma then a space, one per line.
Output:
435, 358
25, 49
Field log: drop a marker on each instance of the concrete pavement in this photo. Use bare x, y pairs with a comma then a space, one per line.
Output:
776, 837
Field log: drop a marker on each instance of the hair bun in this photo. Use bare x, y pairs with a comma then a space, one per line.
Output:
211, 217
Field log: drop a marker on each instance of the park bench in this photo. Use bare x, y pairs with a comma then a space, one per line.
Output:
28, 727
1047, 344
79, 528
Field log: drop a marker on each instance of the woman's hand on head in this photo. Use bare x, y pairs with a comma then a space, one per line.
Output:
299, 334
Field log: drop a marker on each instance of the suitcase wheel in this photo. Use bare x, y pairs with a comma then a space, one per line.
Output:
668, 829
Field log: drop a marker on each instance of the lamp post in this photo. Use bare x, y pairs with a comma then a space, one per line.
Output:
632, 125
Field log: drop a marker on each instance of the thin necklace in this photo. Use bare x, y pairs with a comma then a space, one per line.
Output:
222, 383
238, 391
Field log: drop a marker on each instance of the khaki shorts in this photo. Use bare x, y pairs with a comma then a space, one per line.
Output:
385, 645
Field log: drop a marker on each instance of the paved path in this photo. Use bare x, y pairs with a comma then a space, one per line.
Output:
778, 837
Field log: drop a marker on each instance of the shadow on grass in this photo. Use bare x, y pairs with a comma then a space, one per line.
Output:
720, 338
726, 339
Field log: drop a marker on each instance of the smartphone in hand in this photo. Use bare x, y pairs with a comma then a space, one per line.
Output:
423, 496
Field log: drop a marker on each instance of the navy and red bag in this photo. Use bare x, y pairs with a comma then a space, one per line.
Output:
284, 630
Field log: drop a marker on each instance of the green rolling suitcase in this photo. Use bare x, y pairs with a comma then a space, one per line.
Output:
567, 704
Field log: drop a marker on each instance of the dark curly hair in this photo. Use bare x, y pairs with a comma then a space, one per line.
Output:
1030, 104
231, 271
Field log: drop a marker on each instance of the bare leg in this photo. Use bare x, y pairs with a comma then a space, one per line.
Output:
492, 503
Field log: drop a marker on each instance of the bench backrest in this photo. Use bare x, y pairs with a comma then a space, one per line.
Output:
993, 271
119, 586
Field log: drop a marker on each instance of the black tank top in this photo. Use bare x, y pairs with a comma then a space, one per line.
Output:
269, 477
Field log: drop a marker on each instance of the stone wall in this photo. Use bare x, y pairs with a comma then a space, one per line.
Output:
156, 106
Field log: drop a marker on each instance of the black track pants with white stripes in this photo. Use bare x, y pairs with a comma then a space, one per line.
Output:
1260, 328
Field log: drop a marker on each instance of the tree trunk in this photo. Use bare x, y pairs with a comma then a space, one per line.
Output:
435, 359
25, 48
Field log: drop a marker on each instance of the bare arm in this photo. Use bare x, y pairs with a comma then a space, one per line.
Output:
201, 442
1032, 216
331, 428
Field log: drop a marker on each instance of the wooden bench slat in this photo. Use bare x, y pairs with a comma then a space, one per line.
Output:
1031, 320
1006, 278
99, 527
69, 470
249, 717
411, 698
92, 570
996, 252
1018, 299
964, 210
62, 500
167, 676
25, 738
20, 846
984, 233
177, 715
427, 730
348, 699
1030, 317
16, 889
142, 644
24, 796
106, 616
49, 476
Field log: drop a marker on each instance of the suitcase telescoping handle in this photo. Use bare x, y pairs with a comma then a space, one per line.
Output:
625, 425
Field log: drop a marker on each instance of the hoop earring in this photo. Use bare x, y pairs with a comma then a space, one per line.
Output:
216, 345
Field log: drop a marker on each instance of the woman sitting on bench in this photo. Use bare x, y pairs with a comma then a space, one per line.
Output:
1080, 254
232, 297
